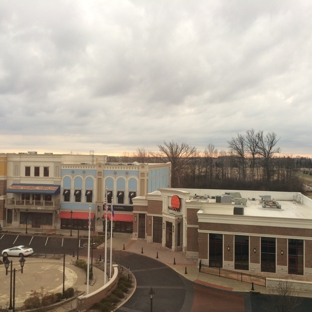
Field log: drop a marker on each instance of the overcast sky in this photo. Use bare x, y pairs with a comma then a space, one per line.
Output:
115, 76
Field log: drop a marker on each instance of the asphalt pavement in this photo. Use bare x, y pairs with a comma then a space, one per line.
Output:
151, 264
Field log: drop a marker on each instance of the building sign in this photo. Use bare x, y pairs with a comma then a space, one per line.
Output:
175, 203
121, 207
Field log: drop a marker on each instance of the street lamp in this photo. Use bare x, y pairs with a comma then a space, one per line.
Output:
8, 263
151, 295
26, 220
71, 223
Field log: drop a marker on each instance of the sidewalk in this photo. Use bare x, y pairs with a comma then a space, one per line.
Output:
188, 267
178, 262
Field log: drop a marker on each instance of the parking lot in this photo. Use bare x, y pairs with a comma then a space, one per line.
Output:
44, 244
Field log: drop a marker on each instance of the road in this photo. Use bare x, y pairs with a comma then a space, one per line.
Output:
173, 292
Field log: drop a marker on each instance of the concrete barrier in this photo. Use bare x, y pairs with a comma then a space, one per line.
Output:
86, 301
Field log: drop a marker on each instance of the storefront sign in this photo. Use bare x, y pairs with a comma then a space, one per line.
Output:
175, 203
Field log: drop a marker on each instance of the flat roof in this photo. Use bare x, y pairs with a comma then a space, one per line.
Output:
253, 208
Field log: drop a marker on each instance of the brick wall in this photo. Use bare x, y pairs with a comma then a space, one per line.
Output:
254, 242
192, 239
155, 207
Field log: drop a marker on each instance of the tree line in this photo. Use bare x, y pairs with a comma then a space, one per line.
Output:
251, 162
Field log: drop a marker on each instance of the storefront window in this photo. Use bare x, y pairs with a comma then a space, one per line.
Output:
215, 250
268, 254
295, 256
241, 252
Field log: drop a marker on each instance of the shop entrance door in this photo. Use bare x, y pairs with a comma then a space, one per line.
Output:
169, 235
141, 230
36, 218
157, 229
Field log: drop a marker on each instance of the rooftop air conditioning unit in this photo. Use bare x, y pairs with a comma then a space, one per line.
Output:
238, 210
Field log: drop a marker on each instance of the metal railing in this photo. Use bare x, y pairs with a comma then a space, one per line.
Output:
17, 203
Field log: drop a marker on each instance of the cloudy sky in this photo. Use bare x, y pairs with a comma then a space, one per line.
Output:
115, 76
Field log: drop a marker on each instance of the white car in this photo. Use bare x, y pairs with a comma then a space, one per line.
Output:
17, 251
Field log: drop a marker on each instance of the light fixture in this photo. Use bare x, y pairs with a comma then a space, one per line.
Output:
151, 295
228, 248
282, 252
254, 250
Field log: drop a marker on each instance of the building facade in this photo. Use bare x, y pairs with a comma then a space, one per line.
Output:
56, 191
253, 231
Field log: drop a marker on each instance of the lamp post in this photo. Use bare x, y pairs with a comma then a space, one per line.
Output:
151, 295
71, 223
26, 220
78, 244
8, 263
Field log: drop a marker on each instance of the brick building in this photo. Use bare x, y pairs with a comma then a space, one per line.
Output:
237, 230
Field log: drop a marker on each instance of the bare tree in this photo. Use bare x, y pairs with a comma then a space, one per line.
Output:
267, 149
179, 155
141, 155
284, 298
210, 154
238, 147
252, 149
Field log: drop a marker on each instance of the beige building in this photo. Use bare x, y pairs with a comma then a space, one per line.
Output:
237, 230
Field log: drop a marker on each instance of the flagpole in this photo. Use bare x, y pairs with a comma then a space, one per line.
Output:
111, 243
105, 249
88, 266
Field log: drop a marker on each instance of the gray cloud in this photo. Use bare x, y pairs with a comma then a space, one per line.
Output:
112, 77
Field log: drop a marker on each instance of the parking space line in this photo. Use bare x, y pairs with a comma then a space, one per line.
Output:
62, 241
46, 241
15, 239
31, 240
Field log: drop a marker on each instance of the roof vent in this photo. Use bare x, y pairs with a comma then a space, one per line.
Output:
238, 210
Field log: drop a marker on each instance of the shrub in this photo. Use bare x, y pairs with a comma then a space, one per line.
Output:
59, 296
32, 303
122, 288
48, 299
113, 299
118, 293
69, 292
106, 307
80, 263
97, 306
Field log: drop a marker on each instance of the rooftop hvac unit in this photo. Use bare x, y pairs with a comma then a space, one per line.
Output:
238, 210
218, 199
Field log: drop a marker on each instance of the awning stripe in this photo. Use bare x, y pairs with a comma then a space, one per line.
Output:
120, 217
76, 215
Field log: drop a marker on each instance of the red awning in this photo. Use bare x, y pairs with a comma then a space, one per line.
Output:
76, 215
121, 217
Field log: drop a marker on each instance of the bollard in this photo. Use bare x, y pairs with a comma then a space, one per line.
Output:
73, 254
157, 255
100, 257
142, 250
252, 286
174, 261
199, 266
185, 270
123, 247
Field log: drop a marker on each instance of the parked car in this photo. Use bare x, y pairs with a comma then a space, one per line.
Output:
17, 251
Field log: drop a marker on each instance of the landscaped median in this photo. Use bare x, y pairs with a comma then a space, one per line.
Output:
95, 299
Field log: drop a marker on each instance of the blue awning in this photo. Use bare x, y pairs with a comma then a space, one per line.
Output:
25, 188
